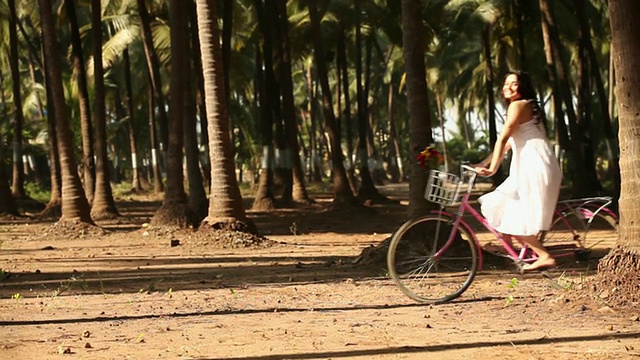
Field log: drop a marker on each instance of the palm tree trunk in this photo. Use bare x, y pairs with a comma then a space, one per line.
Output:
174, 210
618, 271
74, 203
341, 189
158, 184
133, 145
367, 188
264, 199
18, 118
104, 206
88, 161
298, 190
418, 102
54, 205
225, 201
197, 196
199, 86
347, 121
315, 172
153, 64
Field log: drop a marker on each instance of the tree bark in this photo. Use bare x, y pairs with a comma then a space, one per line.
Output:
418, 102
153, 64
86, 125
104, 206
299, 190
18, 117
618, 271
174, 211
74, 202
225, 201
133, 144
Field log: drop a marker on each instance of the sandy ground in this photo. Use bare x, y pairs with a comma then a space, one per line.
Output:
130, 294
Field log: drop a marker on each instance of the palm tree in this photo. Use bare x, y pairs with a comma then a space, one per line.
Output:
418, 101
103, 205
74, 203
174, 210
88, 152
299, 190
225, 201
265, 90
133, 142
153, 64
18, 118
619, 269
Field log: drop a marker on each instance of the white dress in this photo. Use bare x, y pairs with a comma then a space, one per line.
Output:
524, 203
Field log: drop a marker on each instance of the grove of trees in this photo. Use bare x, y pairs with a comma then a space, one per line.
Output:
194, 99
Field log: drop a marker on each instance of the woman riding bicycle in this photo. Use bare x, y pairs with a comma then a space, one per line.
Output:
524, 203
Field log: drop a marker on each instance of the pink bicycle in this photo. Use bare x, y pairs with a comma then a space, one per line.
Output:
434, 258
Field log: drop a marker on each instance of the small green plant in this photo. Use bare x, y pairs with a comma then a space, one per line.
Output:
16, 296
3, 274
513, 283
510, 299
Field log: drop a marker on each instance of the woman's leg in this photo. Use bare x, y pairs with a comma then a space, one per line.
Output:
545, 259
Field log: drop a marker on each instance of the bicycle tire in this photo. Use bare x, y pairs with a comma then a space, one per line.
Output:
581, 229
567, 231
424, 277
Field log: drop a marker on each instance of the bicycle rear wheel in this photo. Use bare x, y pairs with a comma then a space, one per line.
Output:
426, 266
567, 232
581, 230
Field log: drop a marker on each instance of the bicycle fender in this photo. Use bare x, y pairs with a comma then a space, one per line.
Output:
468, 228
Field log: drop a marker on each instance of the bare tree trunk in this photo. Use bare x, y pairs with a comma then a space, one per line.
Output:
298, 190
225, 201
175, 211
18, 118
418, 102
133, 145
153, 64
104, 206
86, 125
618, 271
74, 202
158, 184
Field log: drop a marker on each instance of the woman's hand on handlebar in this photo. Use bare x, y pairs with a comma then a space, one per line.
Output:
483, 171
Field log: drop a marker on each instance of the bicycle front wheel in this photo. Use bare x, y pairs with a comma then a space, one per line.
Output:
432, 261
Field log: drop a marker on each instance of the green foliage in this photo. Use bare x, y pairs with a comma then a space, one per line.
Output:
37, 192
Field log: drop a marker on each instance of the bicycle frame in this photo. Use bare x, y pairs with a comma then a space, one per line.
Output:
457, 218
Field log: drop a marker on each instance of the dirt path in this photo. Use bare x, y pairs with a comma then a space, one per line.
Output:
129, 294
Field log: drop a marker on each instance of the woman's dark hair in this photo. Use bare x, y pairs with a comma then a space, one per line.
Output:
528, 92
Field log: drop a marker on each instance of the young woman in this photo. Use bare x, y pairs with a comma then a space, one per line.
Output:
523, 204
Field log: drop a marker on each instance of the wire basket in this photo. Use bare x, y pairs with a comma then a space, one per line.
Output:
442, 188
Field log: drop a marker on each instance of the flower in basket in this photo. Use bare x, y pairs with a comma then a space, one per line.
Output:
430, 158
